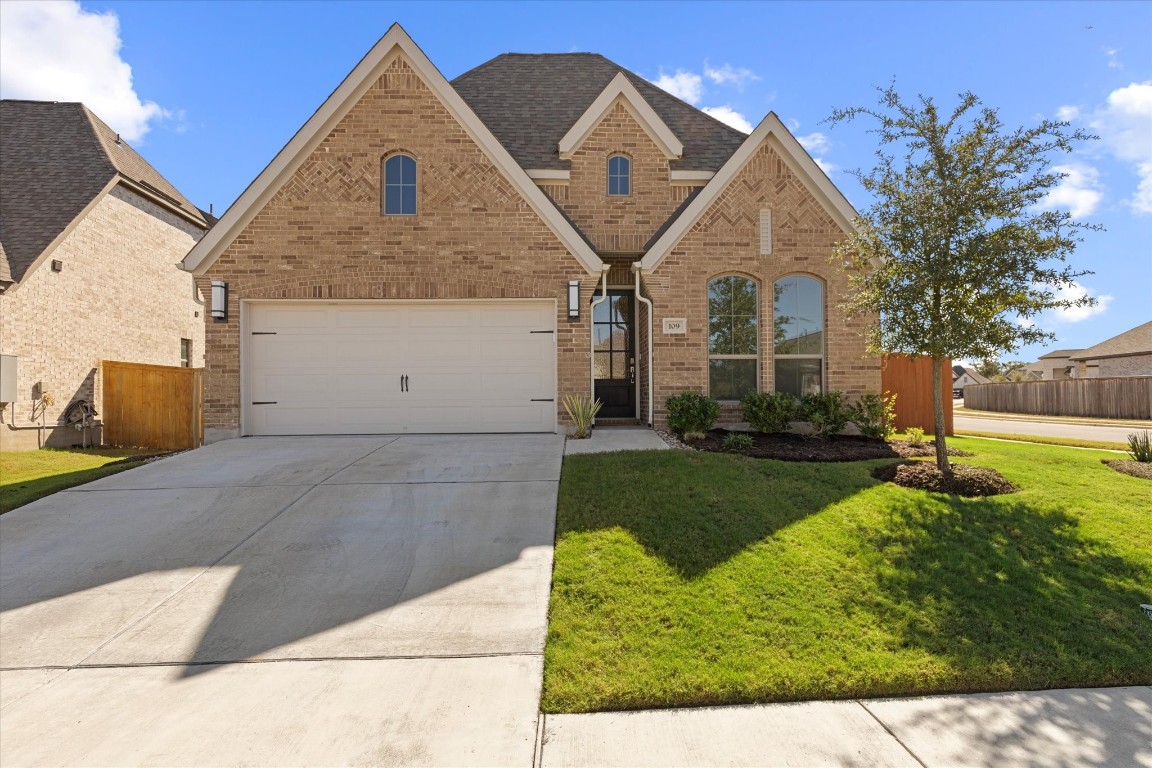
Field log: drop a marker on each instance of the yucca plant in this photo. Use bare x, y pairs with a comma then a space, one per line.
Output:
1140, 446
582, 410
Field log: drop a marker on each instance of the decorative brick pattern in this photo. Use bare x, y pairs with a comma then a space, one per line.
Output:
119, 296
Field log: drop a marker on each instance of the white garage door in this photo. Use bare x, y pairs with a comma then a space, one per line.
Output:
331, 369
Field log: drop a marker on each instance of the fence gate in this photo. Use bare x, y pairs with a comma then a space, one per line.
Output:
910, 379
152, 406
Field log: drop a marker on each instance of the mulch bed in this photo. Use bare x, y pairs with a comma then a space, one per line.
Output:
966, 480
793, 447
1127, 466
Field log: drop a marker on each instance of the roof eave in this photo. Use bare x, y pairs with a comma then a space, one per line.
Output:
621, 91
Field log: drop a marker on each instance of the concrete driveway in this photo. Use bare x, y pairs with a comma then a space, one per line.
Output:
284, 601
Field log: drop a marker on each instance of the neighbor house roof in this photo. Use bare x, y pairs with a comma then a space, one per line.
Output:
976, 376
56, 159
1060, 353
1136, 341
530, 101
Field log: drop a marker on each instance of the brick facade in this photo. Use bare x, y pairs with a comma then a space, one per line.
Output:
118, 296
322, 235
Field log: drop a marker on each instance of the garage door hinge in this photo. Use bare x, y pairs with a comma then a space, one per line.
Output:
264, 402
541, 331
542, 400
263, 333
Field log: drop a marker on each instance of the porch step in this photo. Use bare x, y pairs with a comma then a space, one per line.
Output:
617, 422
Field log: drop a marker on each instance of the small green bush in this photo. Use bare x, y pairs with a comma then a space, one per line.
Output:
874, 414
769, 412
825, 411
915, 436
737, 441
1140, 446
582, 410
691, 412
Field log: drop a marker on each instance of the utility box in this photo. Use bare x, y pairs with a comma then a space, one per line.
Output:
8, 379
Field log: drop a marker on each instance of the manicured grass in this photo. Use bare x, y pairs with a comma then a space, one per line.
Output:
29, 475
1073, 442
685, 579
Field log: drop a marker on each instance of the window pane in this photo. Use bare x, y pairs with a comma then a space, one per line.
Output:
408, 166
601, 336
624, 188
602, 312
621, 309
620, 337
798, 377
743, 335
392, 199
392, 174
720, 335
798, 315
732, 321
731, 379
602, 366
408, 199
619, 365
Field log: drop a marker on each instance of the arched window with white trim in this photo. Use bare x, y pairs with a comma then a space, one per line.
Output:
400, 185
798, 335
733, 337
619, 176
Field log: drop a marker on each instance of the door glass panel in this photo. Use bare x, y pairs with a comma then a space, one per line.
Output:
602, 365
621, 309
602, 312
619, 365
602, 336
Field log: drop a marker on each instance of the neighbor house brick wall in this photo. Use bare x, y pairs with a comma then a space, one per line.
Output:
726, 241
322, 235
119, 296
1133, 365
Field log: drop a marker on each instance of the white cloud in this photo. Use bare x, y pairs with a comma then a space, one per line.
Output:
54, 50
737, 76
827, 167
816, 143
1076, 314
1125, 125
729, 116
1068, 113
683, 85
1113, 61
1078, 193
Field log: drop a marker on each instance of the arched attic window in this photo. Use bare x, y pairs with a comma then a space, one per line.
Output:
619, 176
798, 334
400, 185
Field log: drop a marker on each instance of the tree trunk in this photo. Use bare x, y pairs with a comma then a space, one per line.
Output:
938, 417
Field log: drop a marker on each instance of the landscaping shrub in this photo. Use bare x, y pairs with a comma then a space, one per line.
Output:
737, 441
769, 412
1140, 446
825, 411
582, 410
874, 414
691, 412
915, 436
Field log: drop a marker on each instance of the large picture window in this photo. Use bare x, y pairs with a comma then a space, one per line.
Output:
733, 352
798, 335
400, 186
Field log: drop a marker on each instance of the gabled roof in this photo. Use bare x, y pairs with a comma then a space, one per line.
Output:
530, 101
1059, 353
976, 376
621, 91
1136, 341
395, 42
772, 132
56, 159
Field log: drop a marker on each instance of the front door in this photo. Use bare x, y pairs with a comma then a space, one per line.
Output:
614, 357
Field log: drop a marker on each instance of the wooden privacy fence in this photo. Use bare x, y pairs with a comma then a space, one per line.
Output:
1128, 397
910, 379
152, 406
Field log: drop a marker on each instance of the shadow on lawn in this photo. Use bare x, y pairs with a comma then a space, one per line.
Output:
694, 526
1012, 595
21, 492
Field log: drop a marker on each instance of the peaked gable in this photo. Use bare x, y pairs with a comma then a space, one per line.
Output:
394, 44
769, 132
621, 92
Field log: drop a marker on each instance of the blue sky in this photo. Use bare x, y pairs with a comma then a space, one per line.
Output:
208, 92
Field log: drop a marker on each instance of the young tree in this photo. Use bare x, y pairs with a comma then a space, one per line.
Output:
956, 255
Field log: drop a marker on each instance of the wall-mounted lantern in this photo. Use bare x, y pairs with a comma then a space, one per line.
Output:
573, 299
219, 300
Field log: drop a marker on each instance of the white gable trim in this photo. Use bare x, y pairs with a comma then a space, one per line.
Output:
334, 108
773, 133
620, 90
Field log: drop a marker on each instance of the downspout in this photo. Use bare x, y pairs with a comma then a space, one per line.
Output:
591, 332
636, 270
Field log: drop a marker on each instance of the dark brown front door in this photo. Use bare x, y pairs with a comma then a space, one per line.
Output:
614, 356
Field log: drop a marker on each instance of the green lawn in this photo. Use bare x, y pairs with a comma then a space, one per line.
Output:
686, 579
1107, 445
29, 475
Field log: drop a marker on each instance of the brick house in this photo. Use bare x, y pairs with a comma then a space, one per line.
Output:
434, 256
1126, 354
91, 239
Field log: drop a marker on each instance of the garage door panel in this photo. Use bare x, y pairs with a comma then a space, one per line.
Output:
336, 369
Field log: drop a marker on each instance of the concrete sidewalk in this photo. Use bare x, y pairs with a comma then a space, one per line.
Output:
1063, 728
609, 439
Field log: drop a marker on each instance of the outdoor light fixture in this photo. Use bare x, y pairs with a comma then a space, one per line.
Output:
573, 299
219, 300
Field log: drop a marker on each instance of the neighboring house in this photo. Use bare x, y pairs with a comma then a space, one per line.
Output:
962, 377
92, 237
1057, 365
427, 256
1128, 354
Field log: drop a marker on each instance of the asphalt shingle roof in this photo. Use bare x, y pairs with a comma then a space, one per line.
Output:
55, 158
1136, 341
529, 101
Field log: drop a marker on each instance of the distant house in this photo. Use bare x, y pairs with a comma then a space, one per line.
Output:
1057, 365
962, 377
1128, 354
91, 236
